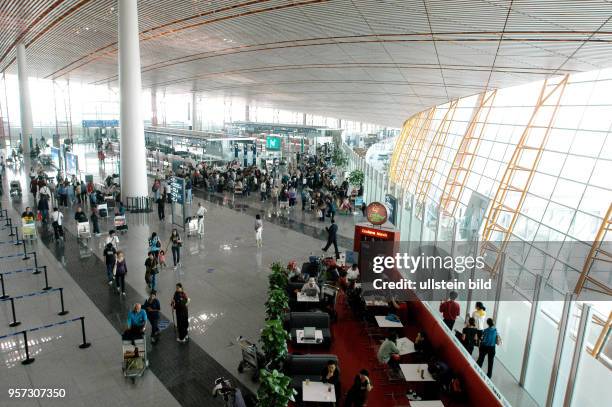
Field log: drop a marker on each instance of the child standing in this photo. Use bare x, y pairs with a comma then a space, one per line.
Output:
162, 258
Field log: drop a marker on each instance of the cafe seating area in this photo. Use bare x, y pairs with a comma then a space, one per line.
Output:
350, 330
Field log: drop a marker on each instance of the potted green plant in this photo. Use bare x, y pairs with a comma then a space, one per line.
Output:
355, 178
277, 303
274, 342
275, 389
278, 278
339, 158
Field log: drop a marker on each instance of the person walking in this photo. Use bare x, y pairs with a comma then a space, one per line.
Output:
480, 318
450, 310
112, 239
151, 270
332, 238
110, 257
258, 230
136, 323
200, 214
154, 244
57, 218
161, 206
120, 271
176, 243
469, 335
357, 395
43, 208
490, 338
179, 304
263, 191
95, 221
152, 308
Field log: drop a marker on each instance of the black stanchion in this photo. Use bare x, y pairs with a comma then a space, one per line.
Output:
25, 251
85, 344
28, 359
4, 296
15, 322
36, 268
63, 311
17, 242
47, 287
10, 225
9, 222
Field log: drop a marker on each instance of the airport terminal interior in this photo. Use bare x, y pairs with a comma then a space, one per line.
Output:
240, 203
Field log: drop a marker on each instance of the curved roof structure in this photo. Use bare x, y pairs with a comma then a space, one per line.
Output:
370, 60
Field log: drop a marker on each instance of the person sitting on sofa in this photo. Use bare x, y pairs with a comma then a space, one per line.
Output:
311, 288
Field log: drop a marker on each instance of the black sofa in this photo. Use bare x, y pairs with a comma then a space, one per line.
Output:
302, 367
318, 320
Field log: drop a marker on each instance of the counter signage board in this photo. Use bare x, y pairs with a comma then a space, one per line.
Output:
177, 190
72, 163
273, 143
55, 157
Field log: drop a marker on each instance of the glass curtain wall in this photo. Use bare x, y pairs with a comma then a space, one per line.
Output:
447, 167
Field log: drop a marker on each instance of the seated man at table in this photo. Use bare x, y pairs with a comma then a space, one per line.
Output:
311, 289
331, 375
399, 308
388, 352
295, 274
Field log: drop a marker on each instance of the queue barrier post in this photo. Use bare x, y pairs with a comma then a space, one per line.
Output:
9, 222
47, 286
63, 311
25, 250
10, 225
4, 296
15, 322
36, 268
17, 242
28, 359
85, 344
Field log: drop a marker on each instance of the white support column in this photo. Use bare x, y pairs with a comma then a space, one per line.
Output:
247, 113
133, 152
194, 111
25, 105
153, 107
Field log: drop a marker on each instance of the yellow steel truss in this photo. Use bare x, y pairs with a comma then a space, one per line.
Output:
597, 254
433, 154
414, 128
520, 171
412, 155
466, 154
397, 152
603, 337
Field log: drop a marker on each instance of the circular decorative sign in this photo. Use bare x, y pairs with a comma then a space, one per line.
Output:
376, 213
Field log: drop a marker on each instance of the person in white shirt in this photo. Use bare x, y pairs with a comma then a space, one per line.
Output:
57, 219
352, 274
200, 214
112, 239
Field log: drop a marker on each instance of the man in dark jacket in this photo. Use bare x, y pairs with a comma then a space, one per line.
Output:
152, 307
332, 231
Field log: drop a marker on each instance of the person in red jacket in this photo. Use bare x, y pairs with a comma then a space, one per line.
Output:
450, 310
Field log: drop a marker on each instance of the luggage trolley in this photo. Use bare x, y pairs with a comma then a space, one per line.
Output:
120, 223
251, 357
135, 360
15, 189
83, 231
28, 230
192, 227
103, 210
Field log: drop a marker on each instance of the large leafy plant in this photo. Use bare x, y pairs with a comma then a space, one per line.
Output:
278, 278
356, 177
275, 389
274, 342
277, 303
339, 158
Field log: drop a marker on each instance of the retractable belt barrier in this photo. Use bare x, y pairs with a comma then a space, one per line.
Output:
28, 359
34, 270
34, 294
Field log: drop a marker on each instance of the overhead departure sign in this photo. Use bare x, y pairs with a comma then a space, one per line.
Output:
273, 143
100, 123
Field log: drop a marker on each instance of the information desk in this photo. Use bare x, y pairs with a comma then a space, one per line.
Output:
318, 392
